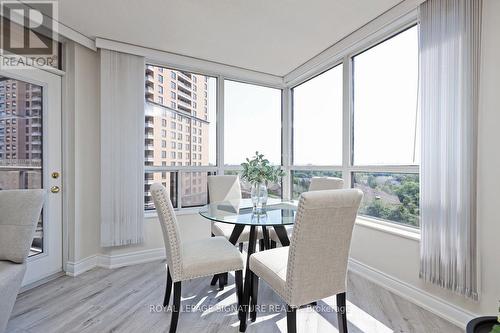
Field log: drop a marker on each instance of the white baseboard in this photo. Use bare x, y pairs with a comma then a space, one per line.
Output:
438, 306
131, 258
113, 261
81, 266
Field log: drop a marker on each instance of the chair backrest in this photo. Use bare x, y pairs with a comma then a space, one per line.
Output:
224, 188
19, 214
319, 249
326, 183
170, 229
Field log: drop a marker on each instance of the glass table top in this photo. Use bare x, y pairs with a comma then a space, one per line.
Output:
276, 212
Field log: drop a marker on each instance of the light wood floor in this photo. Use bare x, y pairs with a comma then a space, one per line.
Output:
127, 300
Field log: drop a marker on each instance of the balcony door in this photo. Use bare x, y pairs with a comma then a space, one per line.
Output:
30, 157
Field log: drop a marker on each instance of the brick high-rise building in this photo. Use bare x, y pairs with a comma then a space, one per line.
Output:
177, 130
20, 134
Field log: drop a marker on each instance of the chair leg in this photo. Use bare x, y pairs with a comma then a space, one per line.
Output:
291, 319
341, 313
238, 277
168, 288
255, 293
221, 281
261, 245
176, 308
226, 278
215, 278
241, 247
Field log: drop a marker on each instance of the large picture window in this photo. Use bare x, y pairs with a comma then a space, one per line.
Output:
252, 122
385, 84
386, 129
380, 153
317, 120
180, 134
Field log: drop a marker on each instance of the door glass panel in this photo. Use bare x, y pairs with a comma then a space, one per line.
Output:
21, 141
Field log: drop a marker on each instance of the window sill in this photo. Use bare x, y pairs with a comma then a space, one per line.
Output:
398, 230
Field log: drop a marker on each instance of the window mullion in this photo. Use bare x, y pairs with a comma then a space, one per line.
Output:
347, 121
220, 125
287, 141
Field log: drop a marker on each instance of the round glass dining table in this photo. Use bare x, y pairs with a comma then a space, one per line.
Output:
276, 214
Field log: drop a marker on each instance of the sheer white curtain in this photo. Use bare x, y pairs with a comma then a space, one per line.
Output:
122, 148
449, 70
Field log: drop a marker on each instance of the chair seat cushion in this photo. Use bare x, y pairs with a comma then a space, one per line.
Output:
11, 277
274, 237
208, 257
271, 266
225, 230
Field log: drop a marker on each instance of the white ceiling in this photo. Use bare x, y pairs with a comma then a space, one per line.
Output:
270, 36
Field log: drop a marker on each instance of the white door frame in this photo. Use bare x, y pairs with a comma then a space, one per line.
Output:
49, 262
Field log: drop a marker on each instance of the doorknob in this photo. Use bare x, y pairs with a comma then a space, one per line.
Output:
55, 189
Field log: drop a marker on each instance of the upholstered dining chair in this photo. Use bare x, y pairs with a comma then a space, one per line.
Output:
314, 266
19, 214
193, 259
326, 183
316, 184
227, 188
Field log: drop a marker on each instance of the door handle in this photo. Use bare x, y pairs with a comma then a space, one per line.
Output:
55, 189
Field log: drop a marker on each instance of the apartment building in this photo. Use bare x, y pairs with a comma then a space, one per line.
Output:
176, 131
20, 134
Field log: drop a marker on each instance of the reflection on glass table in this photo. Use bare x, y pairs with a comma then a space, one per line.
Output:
276, 213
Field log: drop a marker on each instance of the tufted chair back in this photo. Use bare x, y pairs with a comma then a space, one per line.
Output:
319, 248
224, 188
170, 229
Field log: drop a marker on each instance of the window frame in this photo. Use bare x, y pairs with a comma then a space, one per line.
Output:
342, 55
348, 168
219, 168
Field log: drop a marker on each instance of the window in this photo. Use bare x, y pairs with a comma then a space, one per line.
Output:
390, 196
160, 89
251, 111
317, 120
182, 120
160, 100
160, 78
386, 128
385, 102
382, 154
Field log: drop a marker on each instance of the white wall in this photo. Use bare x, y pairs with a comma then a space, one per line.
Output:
81, 151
